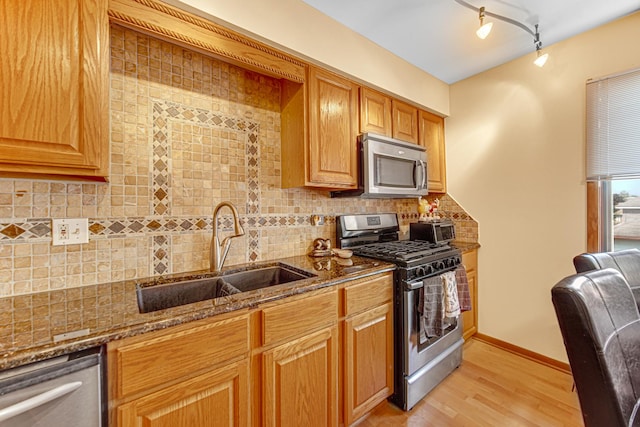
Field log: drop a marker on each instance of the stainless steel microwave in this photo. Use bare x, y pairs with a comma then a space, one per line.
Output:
389, 168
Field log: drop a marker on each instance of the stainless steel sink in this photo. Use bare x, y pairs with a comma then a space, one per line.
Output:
166, 295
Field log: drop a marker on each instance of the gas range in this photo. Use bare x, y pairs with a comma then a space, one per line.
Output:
376, 236
422, 356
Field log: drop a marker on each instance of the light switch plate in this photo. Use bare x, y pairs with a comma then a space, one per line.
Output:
70, 231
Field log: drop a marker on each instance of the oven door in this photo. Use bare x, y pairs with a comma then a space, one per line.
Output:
419, 349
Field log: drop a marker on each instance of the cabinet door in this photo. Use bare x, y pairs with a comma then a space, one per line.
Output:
375, 112
470, 318
300, 386
432, 138
333, 115
368, 361
405, 121
218, 398
54, 87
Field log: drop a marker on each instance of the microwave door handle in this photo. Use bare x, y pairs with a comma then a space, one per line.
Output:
423, 181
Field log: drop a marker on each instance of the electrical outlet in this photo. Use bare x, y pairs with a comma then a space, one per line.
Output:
68, 231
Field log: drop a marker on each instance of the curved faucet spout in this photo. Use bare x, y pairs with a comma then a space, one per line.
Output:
218, 252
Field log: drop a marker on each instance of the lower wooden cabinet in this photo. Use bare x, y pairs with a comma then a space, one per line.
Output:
368, 358
300, 381
470, 318
368, 345
195, 374
218, 398
324, 358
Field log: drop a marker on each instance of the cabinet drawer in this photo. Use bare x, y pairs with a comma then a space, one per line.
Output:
369, 294
172, 355
296, 318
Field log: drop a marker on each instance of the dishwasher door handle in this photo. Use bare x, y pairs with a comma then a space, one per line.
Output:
39, 400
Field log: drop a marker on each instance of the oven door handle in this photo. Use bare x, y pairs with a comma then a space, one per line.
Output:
415, 285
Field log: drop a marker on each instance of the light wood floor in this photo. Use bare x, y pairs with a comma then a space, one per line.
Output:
493, 388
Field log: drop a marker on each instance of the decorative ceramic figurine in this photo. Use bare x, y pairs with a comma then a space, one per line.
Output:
434, 209
428, 211
321, 247
423, 209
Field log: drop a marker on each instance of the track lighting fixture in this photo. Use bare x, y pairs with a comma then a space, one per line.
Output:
485, 29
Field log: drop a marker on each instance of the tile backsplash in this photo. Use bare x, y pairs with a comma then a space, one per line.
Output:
186, 132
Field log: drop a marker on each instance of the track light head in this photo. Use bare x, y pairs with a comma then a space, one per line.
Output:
485, 28
541, 58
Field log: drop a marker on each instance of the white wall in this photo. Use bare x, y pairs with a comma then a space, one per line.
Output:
515, 161
299, 28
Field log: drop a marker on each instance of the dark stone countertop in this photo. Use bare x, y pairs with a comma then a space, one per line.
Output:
48, 324
466, 246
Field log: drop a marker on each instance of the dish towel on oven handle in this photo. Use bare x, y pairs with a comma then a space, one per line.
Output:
450, 289
431, 307
432, 300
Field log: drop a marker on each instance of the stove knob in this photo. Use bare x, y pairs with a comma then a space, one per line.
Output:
429, 269
440, 265
420, 271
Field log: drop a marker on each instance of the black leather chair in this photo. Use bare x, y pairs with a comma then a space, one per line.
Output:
600, 326
626, 262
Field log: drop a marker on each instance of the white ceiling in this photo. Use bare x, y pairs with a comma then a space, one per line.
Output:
438, 36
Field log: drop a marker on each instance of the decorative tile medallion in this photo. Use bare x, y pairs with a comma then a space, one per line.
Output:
164, 114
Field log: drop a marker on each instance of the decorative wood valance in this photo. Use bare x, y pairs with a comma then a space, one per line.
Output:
187, 29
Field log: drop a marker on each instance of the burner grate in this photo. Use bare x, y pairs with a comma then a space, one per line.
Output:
401, 250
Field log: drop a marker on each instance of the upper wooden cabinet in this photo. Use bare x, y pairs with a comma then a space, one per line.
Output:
333, 129
432, 138
54, 89
328, 146
405, 121
375, 112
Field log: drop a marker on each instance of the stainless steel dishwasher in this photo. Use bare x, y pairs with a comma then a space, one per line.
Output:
65, 391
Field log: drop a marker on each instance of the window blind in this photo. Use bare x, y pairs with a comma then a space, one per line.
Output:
613, 127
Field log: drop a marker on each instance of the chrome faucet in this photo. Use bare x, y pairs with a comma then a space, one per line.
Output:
219, 250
